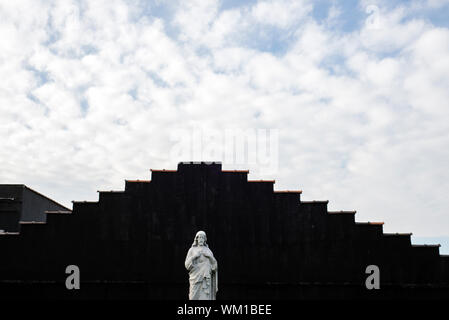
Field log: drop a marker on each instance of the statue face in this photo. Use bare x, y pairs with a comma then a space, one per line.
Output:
201, 239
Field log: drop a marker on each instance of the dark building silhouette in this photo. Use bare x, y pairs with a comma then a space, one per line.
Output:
21, 203
268, 244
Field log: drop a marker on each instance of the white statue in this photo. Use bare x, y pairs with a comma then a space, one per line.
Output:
202, 267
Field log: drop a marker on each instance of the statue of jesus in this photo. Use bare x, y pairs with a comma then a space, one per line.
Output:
202, 267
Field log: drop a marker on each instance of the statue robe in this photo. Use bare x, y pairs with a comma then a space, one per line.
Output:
203, 274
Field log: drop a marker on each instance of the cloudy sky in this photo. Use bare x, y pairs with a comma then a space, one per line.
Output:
92, 92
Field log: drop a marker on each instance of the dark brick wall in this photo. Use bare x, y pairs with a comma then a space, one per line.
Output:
267, 244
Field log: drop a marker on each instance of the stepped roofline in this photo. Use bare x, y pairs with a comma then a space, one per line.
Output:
288, 191
187, 163
342, 212
371, 223
315, 201
199, 162
83, 201
200, 195
426, 245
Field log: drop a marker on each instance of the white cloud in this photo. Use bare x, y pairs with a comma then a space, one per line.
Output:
282, 14
437, 3
92, 92
194, 18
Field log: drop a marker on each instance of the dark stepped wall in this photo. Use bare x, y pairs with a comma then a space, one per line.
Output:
269, 244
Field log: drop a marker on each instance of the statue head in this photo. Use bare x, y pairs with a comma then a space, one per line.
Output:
200, 239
